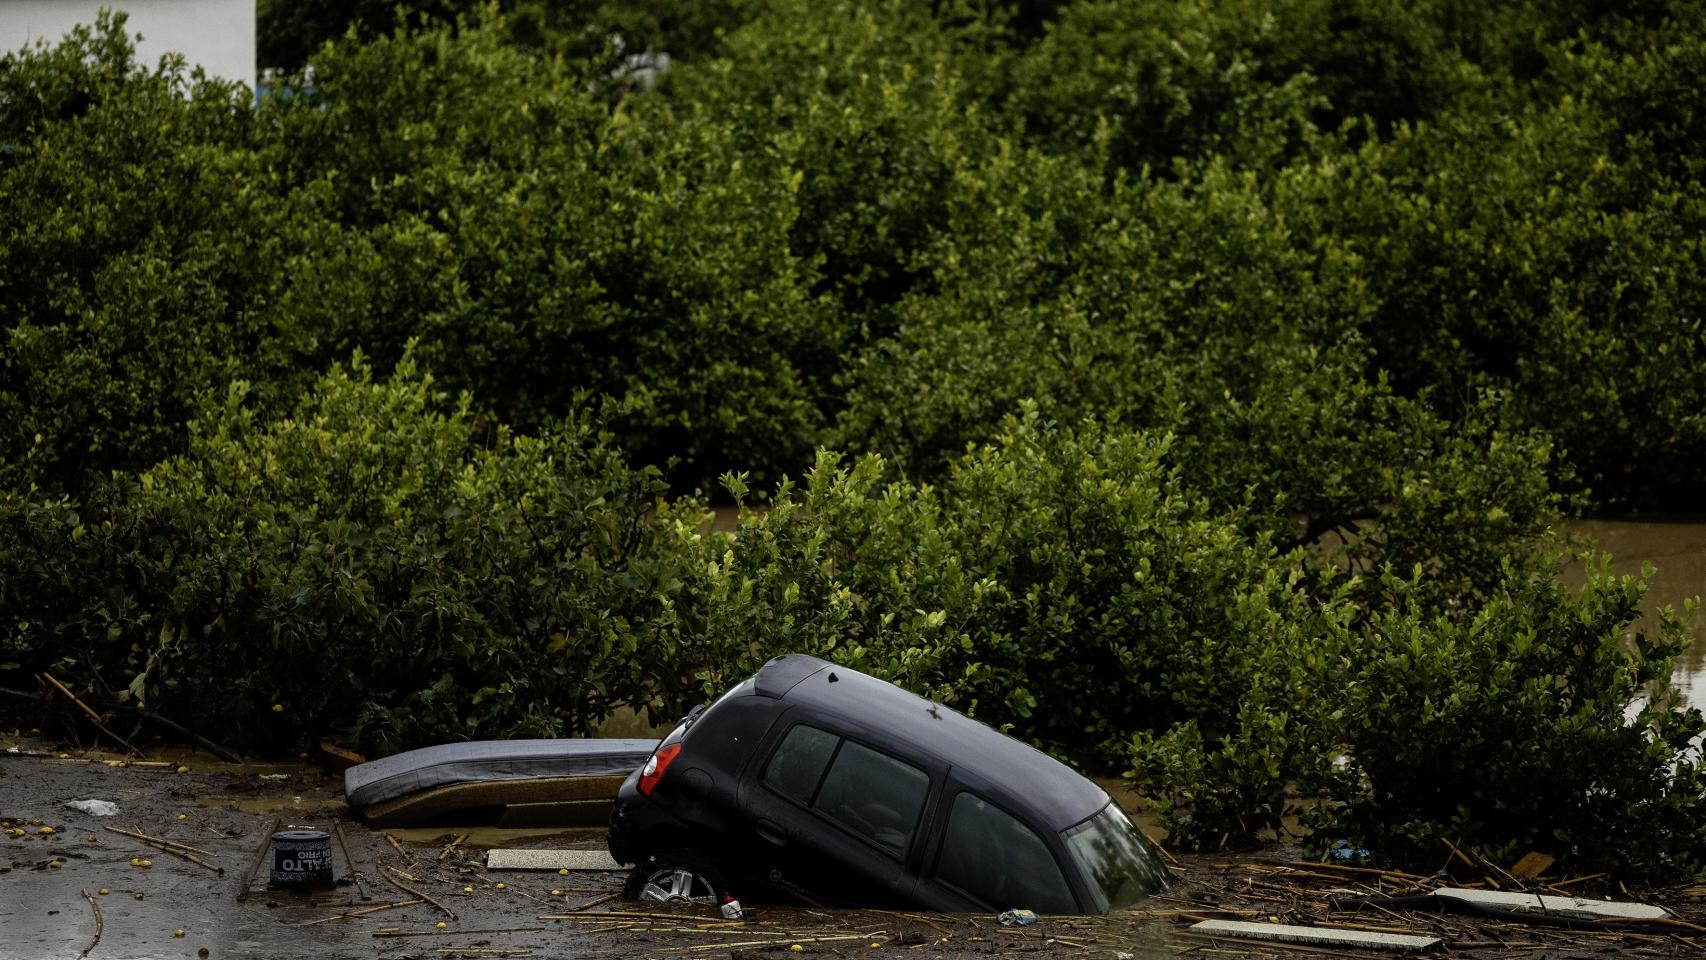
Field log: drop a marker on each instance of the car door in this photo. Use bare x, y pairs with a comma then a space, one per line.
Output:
840, 819
987, 858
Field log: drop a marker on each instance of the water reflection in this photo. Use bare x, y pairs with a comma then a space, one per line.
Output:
1678, 551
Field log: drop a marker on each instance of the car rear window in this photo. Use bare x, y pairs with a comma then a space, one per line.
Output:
870, 793
797, 766
991, 855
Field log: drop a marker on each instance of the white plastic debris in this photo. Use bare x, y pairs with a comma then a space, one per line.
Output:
96, 808
1568, 906
550, 860
1317, 936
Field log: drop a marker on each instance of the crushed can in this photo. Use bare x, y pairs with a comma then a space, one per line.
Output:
1017, 918
732, 910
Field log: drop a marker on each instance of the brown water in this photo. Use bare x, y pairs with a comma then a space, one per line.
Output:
1677, 551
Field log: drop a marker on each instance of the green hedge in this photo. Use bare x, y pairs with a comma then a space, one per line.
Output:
378, 564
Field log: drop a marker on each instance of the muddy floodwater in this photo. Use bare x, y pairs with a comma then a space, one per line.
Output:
1677, 551
61, 868
73, 885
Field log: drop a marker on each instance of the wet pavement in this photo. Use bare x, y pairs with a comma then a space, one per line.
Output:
227, 813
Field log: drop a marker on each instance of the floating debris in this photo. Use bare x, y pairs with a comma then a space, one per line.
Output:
1317, 936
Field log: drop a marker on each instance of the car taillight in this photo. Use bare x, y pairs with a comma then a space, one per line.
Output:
652, 772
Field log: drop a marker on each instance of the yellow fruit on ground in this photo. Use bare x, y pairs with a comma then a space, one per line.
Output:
46, 830
278, 708
502, 887
441, 924
467, 889
104, 891
178, 932
183, 769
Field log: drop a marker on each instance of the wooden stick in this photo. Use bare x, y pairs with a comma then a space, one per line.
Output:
1342, 868
776, 943
97, 908
447, 933
255, 862
166, 846
604, 899
449, 847
1470, 863
161, 842
362, 912
94, 717
411, 891
361, 887
1574, 880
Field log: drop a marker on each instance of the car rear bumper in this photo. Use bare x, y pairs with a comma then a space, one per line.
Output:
637, 824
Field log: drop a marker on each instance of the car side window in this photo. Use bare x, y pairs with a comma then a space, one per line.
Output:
874, 795
797, 766
991, 855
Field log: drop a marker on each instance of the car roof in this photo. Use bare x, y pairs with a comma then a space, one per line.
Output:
1022, 778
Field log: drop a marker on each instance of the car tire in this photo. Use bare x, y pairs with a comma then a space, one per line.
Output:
677, 876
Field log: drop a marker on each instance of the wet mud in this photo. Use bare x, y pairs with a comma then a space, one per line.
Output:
377, 910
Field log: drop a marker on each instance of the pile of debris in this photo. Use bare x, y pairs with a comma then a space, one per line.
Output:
1274, 908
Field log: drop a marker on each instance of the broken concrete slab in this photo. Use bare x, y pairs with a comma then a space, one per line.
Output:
1318, 936
1561, 906
551, 860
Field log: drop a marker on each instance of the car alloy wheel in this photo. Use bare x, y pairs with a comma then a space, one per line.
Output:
677, 884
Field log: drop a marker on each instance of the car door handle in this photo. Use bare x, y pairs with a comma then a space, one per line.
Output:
771, 833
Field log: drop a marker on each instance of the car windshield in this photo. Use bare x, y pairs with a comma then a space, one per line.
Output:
1119, 863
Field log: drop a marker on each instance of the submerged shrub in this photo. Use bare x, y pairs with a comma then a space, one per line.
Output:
1546, 722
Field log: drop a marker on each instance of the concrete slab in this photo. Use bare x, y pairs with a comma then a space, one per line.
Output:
550, 860
1564, 906
1317, 936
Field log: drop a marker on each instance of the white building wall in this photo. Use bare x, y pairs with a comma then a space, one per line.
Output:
216, 35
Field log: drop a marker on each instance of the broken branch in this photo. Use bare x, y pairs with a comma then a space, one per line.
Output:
97, 908
175, 849
411, 891
94, 717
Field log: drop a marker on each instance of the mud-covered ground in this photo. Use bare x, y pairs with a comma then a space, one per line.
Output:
67, 867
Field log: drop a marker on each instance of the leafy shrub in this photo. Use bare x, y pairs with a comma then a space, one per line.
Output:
1544, 722
369, 564
139, 245
1059, 580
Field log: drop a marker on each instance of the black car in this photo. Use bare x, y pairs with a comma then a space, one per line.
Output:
817, 783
